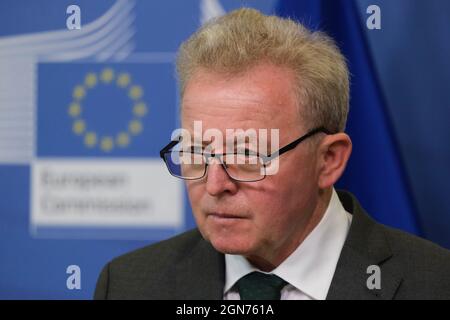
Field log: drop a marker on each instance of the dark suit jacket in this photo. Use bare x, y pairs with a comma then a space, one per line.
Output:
188, 267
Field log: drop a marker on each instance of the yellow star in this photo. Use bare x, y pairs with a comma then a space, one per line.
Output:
123, 80
79, 126
107, 75
123, 139
74, 109
90, 139
107, 144
135, 92
140, 109
90, 80
135, 127
79, 92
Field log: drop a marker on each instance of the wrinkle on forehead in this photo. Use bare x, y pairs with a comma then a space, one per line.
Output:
234, 109
262, 97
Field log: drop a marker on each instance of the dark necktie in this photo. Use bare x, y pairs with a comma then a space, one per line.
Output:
260, 286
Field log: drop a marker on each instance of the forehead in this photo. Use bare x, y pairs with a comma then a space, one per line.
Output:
261, 97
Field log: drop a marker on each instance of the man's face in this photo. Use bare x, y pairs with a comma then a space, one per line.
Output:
254, 219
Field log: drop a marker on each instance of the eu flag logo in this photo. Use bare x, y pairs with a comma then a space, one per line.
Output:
104, 110
91, 112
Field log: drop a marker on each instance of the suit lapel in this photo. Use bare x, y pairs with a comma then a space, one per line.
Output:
351, 276
200, 275
366, 245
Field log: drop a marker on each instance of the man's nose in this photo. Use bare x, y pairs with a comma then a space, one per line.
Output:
217, 180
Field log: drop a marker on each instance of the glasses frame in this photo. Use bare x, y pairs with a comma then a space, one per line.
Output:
219, 156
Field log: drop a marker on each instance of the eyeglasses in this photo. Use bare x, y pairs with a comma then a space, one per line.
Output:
246, 166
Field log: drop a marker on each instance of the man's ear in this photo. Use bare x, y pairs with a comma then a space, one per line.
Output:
334, 152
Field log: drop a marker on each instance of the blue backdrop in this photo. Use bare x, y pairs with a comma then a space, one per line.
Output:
122, 58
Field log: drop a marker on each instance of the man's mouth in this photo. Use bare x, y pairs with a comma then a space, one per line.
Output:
224, 216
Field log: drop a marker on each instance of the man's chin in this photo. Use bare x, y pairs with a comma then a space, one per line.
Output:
227, 246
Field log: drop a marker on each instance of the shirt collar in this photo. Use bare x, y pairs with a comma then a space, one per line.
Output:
310, 268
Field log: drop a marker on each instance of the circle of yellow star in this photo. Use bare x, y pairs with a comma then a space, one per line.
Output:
139, 109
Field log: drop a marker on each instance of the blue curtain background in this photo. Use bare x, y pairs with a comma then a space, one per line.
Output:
400, 106
375, 172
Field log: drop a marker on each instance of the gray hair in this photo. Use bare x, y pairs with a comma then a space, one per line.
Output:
235, 42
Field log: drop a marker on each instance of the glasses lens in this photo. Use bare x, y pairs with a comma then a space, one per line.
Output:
190, 165
185, 165
245, 167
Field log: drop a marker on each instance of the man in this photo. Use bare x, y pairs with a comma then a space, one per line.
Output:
280, 234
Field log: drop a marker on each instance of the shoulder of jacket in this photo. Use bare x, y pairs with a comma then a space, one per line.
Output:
161, 252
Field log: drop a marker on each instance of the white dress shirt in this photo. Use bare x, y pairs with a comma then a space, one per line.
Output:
310, 268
